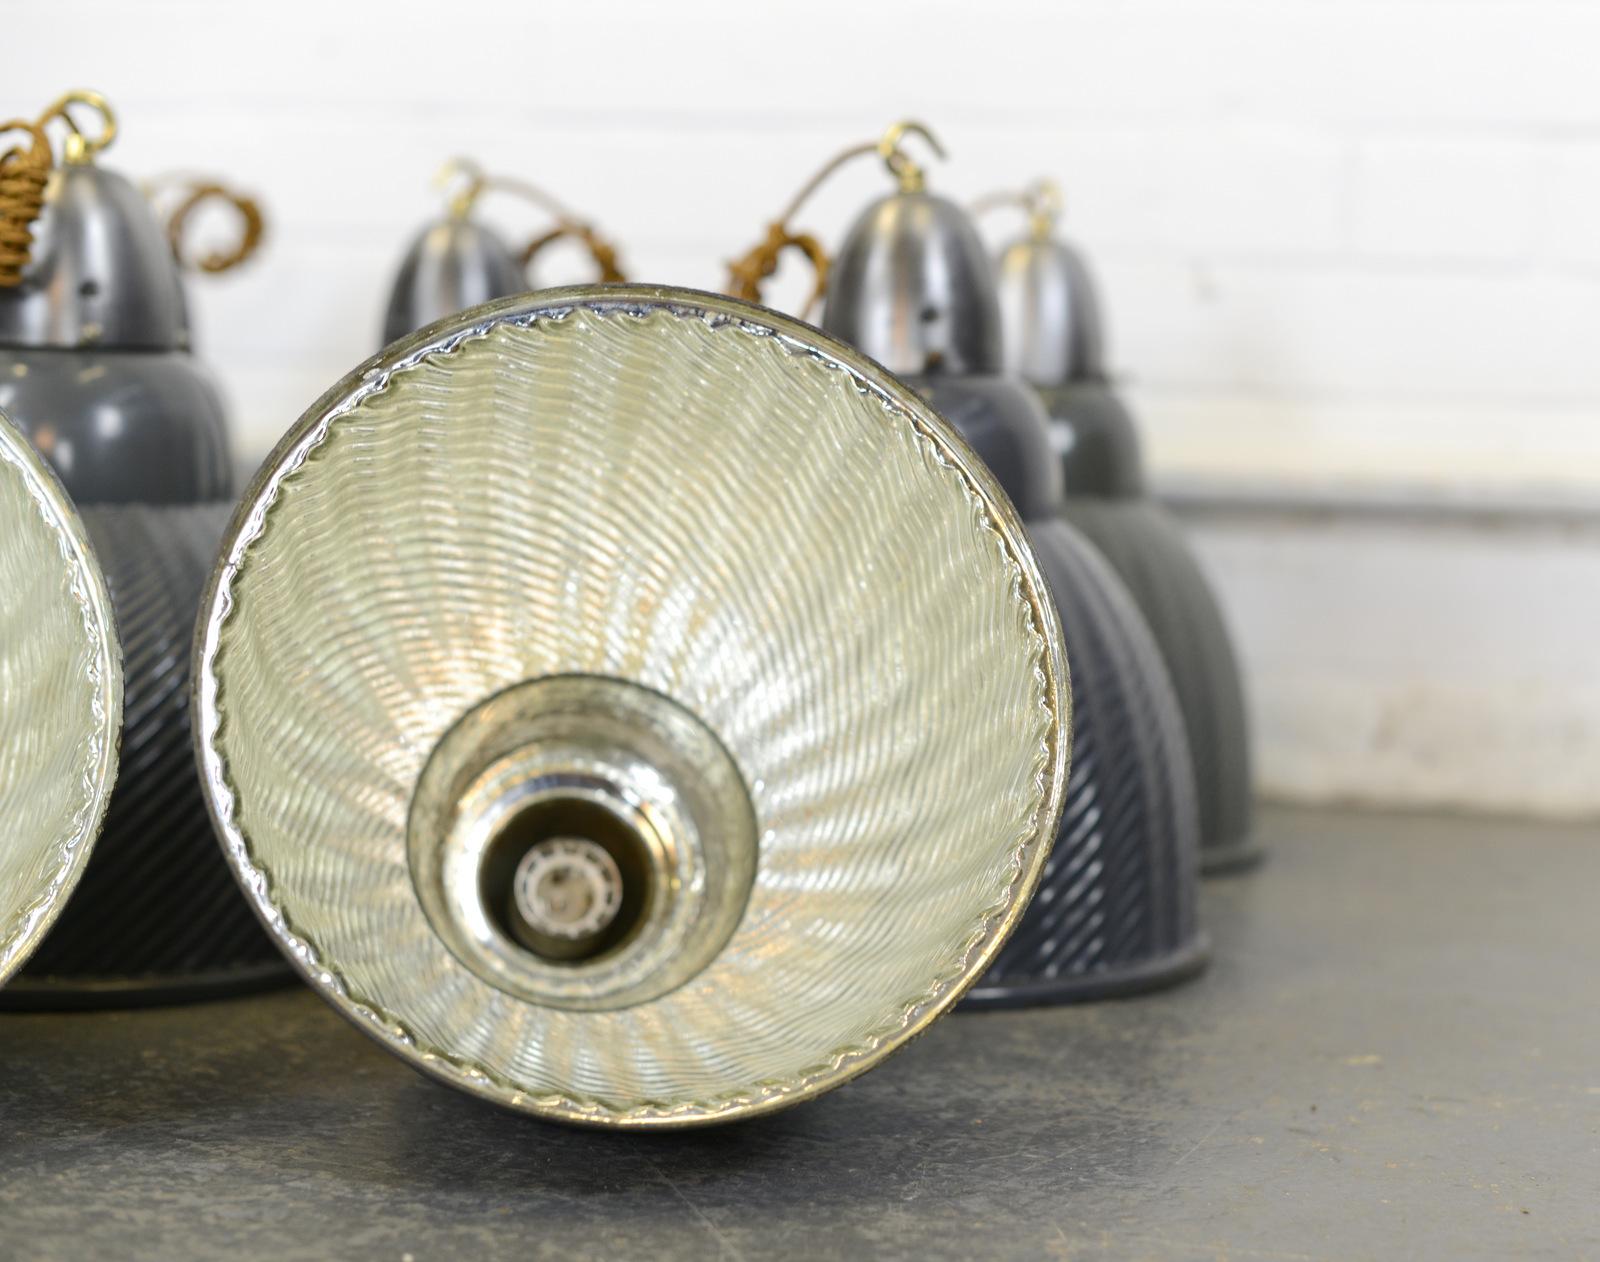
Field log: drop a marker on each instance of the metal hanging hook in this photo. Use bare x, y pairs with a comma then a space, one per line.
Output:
79, 147
1045, 204
911, 176
480, 182
1041, 201
746, 274
568, 225
461, 168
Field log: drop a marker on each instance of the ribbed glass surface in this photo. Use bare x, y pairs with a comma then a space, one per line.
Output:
60, 699
157, 908
754, 528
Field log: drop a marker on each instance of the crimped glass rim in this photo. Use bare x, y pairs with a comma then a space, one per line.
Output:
60, 698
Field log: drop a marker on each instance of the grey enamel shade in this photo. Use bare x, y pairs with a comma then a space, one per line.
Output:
1055, 337
911, 285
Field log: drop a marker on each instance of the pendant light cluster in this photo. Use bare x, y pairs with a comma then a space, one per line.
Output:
638, 707
1056, 342
97, 373
1012, 353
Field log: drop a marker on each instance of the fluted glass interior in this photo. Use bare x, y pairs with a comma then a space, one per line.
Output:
692, 504
60, 699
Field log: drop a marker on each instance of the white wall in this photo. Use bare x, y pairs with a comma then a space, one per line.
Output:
1343, 241
1339, 237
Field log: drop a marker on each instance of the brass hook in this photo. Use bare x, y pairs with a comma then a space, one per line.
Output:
746, 273
1044, 204
1041, 201
461, 203
80, 148
479, 182
911, 176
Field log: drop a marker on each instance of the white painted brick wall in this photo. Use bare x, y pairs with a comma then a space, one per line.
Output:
1452, 202
1383, 214
1341, 240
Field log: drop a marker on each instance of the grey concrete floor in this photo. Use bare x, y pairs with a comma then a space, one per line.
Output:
1396, 1053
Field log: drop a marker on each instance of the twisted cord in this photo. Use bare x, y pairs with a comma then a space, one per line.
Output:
600, 250
24, 173
746, 274
252, 227
478, 182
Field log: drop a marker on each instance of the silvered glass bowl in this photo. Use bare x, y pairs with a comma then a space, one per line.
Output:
60, 699
157, 917
632, 706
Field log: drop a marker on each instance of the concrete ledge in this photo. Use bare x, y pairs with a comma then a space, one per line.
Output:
1411, 650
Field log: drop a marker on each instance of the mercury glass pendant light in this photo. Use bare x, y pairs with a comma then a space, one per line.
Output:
96, 371
632, 706
1055, 339
911, 287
